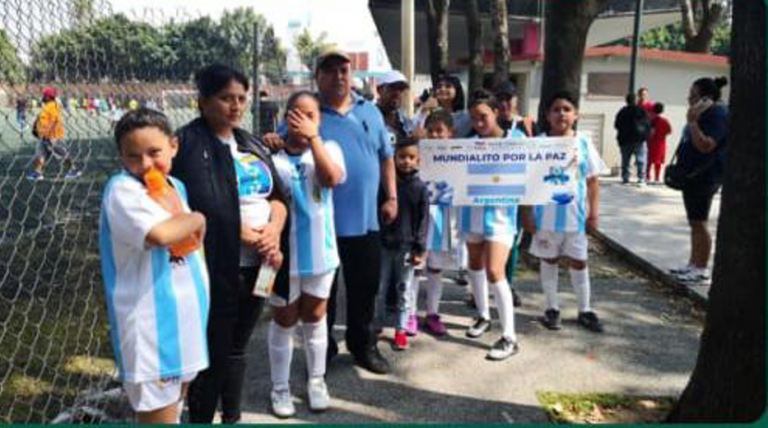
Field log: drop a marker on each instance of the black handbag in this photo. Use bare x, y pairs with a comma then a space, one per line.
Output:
676, 177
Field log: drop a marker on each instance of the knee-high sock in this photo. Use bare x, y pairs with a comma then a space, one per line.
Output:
414, 290
548, 273
434, 292
580, 283
503, 299
480, 292
280, 354
315, 346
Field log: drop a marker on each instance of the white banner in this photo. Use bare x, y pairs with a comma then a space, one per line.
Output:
514, 171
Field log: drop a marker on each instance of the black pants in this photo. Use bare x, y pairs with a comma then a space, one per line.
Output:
361, 264
228, 337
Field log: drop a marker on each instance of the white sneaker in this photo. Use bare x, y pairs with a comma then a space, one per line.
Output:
503, 349
680, 271
282, 403
317, 392
694, 275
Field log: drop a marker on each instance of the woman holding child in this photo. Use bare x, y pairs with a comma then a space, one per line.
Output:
231, 179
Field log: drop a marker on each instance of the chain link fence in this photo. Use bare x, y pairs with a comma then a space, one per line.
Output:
55, 350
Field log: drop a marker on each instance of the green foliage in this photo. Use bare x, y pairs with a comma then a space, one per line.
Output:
237, 28
672, 38
11, 69
310, 48
118, 50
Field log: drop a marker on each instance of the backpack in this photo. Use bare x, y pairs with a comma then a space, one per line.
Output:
34, 127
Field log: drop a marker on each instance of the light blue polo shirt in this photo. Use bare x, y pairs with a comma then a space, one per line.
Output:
365, 142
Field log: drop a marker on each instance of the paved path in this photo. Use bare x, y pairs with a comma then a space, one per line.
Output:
649, 347
649, 224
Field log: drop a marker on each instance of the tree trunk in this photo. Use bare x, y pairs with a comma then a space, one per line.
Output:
728, 383
500, 25
475, 34
700, 17
567, 25
437, 31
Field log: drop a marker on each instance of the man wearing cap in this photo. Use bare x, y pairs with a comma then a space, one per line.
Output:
392, 88
358, 127
49, 128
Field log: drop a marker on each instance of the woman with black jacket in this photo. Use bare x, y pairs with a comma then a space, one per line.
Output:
231, 179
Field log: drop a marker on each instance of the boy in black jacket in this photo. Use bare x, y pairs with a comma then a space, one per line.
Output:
404, 240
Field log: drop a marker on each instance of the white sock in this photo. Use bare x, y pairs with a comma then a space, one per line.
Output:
179, 410
280, 354
580, 283
315, 346
480, 292
434, 292
503, 299
548, 273
414, 290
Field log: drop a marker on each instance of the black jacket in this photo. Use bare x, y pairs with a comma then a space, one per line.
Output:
409, 230
205, 165
633, 125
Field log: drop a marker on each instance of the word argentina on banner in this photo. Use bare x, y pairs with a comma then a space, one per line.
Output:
511, 171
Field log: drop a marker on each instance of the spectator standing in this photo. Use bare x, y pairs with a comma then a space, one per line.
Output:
657, 145
358, 127
634, 127
702, 154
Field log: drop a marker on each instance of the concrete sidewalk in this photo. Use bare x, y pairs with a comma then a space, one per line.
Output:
648, 227
648, 349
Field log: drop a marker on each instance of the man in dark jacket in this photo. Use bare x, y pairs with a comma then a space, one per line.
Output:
633, 128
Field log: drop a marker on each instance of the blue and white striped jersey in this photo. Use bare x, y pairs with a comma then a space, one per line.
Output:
157, 306
313, 235
572, 217
490, 221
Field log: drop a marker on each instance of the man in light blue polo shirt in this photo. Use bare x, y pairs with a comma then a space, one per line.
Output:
358, 127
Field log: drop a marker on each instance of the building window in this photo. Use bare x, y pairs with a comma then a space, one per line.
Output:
612, 84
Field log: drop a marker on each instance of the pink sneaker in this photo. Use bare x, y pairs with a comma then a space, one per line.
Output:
412, 327
434, 325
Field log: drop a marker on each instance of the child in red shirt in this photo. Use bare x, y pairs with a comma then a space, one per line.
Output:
657, 145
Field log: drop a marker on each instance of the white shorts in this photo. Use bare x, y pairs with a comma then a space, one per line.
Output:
156, 394
549, 245
315, 285
505, 239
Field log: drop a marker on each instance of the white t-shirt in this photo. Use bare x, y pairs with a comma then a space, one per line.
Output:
158, 306
254, 185
572, 217
313, 234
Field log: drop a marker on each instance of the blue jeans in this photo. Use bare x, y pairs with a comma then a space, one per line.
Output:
640, 152
395, 264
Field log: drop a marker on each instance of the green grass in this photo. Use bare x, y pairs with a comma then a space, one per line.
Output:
603, 407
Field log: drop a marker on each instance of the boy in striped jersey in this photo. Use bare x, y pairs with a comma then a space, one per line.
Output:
157, 303
310, 168
561, 230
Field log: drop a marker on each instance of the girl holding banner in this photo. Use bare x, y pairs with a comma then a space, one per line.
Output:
489, 233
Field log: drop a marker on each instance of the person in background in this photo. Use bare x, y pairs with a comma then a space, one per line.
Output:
392, 88
49, 128
644, 101
22, 104
657, 145
634, 127
702, 153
